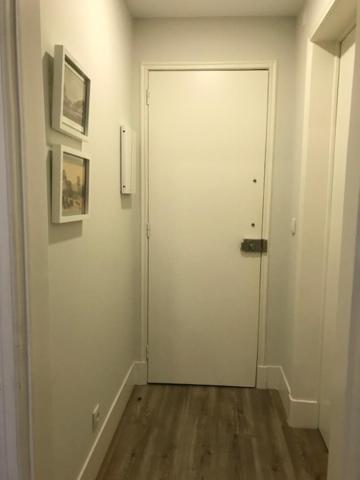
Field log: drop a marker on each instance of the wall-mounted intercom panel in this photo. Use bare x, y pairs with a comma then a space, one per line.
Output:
128, 160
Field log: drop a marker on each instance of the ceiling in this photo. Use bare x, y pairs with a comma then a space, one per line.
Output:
213, 8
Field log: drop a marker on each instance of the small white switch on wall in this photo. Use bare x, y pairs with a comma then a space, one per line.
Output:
293, 226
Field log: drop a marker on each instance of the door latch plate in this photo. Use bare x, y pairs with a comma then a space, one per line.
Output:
254, 245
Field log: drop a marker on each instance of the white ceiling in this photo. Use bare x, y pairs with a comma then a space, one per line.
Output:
213, 8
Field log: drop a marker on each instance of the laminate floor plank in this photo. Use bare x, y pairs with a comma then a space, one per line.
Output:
175, 432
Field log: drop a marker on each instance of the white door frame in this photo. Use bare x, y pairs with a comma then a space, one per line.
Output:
10, 455
345, 422
15, 448
9, 425
146, 68
8, 398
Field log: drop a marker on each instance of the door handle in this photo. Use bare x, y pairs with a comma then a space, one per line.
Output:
254, 245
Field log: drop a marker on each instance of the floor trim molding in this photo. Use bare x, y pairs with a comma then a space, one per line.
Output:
136, 375
300, 413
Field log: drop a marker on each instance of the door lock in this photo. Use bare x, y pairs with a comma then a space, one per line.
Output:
254, 245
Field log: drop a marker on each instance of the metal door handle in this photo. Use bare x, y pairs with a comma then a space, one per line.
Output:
254, 245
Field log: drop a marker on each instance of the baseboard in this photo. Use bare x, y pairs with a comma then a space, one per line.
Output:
300, 413
137, 375
303, 413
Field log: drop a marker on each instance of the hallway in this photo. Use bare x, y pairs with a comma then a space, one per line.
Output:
212, 433
180, 240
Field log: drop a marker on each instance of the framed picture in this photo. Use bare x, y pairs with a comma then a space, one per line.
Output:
70, 185
71, 96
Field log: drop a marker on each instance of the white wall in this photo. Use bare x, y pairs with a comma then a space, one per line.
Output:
345, 427
35, 206
311, 15
316, 88
93, 266
83, 348
310, 202
232, 40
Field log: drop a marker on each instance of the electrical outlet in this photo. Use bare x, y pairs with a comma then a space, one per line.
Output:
96, 418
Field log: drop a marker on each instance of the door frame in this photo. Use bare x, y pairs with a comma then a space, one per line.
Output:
331, 72
16, 460
9, 428
146, 68
337, 22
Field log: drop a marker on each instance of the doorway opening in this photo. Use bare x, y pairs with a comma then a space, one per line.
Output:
181, 205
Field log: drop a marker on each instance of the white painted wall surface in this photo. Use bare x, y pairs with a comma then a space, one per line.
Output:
330, 313
36, 211
93, 266
213, 8
314, 193
82, 351
310, 196
230, 40
312, 13
345, 426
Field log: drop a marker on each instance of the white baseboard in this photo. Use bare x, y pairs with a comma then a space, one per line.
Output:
137, 375
300, 413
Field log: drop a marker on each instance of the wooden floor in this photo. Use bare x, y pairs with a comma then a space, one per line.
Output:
210, 433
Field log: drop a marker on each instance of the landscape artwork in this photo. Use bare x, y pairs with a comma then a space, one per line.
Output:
73, 185
74, 97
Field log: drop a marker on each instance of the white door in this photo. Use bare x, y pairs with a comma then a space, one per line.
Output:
336, 221
207, 139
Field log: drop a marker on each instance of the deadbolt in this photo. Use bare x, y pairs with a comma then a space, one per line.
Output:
254, 245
